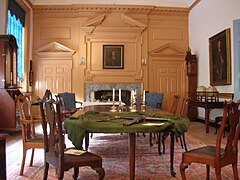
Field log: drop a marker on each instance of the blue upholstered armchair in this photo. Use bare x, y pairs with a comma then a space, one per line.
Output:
69, 101
154, 99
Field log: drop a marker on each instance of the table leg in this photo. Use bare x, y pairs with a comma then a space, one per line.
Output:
207, 111
131, 145
86, 141
172, 135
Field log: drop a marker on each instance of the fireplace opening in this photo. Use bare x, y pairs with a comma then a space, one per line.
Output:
106, 95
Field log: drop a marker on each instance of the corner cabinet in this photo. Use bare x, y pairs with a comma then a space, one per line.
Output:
8, 83
192, 70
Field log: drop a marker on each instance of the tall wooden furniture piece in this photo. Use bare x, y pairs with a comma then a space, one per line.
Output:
192, 70
54, 150
30, 139
215, 156
8, 83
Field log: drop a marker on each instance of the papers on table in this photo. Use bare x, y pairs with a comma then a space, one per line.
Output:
153, 124
75, 152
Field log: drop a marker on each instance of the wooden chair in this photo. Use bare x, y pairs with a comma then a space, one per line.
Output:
175, 104
172, 111
54, 150
225, 96
64, 112
154, 100
184, 112
30, 140
215, 156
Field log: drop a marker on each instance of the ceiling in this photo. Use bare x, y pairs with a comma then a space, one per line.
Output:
160, 3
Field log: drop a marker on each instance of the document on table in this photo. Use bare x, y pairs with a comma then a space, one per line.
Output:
75, 152
153, 124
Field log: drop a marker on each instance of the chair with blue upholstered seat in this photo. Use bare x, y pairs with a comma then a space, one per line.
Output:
155, 100
68, 103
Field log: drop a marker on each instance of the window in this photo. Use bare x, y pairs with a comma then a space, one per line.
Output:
15, 26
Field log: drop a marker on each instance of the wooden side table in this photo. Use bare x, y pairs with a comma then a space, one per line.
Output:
3, 174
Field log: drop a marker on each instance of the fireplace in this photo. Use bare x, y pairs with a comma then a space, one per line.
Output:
106, 95
103, 91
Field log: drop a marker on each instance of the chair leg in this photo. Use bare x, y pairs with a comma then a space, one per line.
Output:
100, 172
235, 171
163, 142
159, 143
181, 142
218, 174
182, 170
215, 124
184, 142
23, 161
60, 174
150, 139
31, 160
76, 172
208, 171
46, 167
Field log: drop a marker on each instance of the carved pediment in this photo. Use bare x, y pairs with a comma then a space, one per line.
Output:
116, 22
54, 49
168, 50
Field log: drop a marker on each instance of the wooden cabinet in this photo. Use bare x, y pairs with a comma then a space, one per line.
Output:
8, 83
192, 72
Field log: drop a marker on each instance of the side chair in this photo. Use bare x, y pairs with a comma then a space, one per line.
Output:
218, 156
54, 151
172, 111
30, 139
154, 99
225, 96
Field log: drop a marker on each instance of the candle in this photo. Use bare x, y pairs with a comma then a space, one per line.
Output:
143, 95
132, 94
92, 96
119, 95
113, 94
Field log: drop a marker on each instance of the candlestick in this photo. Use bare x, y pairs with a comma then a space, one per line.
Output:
119, 95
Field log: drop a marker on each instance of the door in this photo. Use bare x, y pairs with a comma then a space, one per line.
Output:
55, 76
168, 76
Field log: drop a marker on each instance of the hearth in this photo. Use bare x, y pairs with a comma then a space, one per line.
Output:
106, 95
103, 91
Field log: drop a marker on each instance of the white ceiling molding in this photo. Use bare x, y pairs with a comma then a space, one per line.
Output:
159, 3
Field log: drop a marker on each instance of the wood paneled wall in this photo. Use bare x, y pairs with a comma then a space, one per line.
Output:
151, 36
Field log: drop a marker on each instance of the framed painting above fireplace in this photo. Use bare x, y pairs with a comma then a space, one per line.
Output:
113, 56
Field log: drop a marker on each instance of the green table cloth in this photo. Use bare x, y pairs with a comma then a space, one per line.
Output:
88, 123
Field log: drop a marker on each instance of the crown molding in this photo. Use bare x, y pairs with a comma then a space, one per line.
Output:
83, 8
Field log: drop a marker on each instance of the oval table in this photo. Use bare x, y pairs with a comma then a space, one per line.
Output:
99, 119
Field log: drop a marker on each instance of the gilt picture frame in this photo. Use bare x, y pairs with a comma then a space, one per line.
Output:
113, 56
220, 58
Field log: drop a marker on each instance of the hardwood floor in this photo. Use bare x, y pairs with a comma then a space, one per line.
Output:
14, 144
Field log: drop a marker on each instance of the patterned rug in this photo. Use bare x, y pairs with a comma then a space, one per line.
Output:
114, 151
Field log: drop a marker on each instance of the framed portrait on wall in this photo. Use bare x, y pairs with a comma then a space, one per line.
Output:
113, 56
220, 58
